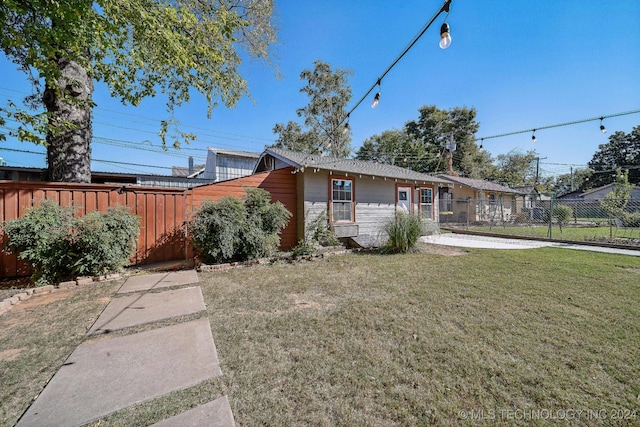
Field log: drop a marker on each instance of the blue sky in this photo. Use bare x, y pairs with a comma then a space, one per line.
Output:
522, 64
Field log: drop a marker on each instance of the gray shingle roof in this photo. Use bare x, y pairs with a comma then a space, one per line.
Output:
480, 184
303, 160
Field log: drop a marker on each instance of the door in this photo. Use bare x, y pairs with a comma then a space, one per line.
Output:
404, 198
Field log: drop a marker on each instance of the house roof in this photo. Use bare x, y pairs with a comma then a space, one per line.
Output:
527, 189
604, 187
304, 160
235, 153
480, 184
184, 171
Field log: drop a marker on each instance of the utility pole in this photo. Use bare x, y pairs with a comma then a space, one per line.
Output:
572, 179
538, 167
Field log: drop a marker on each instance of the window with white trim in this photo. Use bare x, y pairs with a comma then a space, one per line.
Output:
342, 200
426, 203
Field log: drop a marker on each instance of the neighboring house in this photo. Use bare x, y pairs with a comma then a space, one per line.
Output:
357, 197
574, 195
223, 165
532, 197
600, 192
470, 199
13, 173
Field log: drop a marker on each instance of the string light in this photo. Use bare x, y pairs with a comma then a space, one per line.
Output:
602, 128
533, 137
445, 34
444, 8
575, 122
376, 99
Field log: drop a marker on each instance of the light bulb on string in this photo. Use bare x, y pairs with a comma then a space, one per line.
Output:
602, 128
533, 137
445, 36
376, 99
481, 143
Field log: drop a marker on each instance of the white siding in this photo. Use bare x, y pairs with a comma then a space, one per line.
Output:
375, 200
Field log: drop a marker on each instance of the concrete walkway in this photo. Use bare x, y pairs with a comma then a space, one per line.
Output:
104, 376
473, 241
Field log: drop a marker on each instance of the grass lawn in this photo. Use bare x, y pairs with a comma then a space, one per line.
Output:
579, 234
420, 339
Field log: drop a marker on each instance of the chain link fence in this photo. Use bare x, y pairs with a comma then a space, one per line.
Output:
606, 220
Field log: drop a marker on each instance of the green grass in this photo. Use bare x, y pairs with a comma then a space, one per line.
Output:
398, 340
579, 234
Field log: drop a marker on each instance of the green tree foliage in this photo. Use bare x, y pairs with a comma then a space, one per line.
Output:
622, 151
515, 169
615, 202
434, 127
60, 246
329, 94
138, 48
566, 183
395, 147
231, 229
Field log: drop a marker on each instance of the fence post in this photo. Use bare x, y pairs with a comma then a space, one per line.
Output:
553, 199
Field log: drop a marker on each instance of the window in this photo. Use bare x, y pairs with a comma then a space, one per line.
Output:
342, 200
426, 203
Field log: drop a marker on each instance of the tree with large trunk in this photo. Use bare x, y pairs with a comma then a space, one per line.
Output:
137, 48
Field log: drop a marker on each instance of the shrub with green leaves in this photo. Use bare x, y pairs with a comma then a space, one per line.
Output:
403, 232
59, 246
104, 241
562, 213
231, 229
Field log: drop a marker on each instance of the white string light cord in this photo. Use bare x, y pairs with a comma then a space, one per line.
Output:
575, 122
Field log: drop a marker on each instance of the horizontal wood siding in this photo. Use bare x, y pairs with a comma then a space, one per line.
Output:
161, 212
280, 183
375, 204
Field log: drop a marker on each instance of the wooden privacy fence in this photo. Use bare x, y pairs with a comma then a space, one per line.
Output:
163, 212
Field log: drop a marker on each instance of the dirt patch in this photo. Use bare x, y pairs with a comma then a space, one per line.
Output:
11, 354
38, 300
302, 302
441, 250
633, 270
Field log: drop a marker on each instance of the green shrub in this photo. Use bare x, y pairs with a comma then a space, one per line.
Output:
105, 241
59, 246
304, 247
403, 232
562, 213
215, 228
230, 229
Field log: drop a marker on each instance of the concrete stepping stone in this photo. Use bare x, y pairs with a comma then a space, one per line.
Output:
216, 413
103, 377
138, 309
147, 282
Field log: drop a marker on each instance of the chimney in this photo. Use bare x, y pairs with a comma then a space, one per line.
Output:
190, 166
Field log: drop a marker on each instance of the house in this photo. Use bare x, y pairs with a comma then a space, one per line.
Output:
355, 196
599, 192
17, 173
467, 199
223, 164
532, 197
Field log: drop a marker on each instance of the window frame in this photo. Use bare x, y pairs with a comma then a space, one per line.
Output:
431, 203
332, 179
